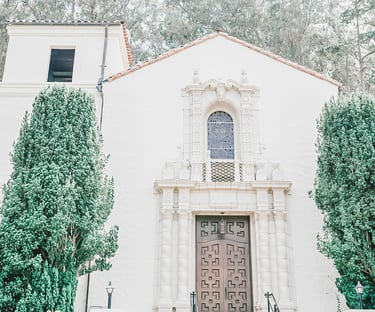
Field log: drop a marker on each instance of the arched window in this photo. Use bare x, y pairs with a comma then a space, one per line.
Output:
220, 135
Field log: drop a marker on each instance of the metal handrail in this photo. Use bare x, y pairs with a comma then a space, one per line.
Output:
193, 301
272, 307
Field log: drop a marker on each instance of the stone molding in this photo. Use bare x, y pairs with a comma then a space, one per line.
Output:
238, 99
261, 194
269, 217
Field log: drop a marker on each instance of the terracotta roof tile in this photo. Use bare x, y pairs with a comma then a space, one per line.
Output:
127, 43
239, 41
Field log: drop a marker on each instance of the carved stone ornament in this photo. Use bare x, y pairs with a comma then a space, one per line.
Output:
196, 79
220, 86
220, 91
244, 77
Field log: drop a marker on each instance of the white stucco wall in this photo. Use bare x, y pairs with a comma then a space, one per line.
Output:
29, 50
27, 63
143, 128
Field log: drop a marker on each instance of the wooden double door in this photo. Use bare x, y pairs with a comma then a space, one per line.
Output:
223, 275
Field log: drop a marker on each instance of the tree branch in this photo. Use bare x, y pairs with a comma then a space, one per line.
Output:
368, 54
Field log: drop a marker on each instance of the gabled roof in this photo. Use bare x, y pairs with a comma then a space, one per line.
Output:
225, 35
81, 23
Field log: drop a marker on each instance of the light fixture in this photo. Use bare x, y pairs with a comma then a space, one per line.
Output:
109, 290
359, 291
359, 288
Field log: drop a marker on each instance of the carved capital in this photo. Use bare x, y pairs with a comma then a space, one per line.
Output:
166, 213
259, 214
183, 212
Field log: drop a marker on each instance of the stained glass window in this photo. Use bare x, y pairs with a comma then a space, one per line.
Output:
220, 135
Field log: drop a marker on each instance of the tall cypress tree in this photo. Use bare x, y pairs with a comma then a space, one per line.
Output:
345, 192
55, 205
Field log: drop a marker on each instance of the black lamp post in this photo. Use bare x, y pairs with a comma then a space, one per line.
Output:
110, 290
359, 291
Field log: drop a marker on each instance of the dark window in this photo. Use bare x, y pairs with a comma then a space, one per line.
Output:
61, 65
220, 136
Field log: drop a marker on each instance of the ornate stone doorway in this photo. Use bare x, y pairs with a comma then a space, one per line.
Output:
223, 274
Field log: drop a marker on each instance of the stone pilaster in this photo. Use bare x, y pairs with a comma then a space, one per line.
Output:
281, 246
263, 259
165, 278
184, 233
196, 135
249, 125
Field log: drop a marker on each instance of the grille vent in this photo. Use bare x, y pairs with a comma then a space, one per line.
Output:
222, 171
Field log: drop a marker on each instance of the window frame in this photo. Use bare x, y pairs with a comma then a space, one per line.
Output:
231, 148
61, 62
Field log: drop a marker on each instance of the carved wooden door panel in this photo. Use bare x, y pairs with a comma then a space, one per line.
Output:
223, 264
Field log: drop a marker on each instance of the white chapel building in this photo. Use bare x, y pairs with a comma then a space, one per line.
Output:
212, 149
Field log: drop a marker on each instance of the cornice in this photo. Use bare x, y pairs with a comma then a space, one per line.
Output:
270, 184
225, 85
222, 186
173, 183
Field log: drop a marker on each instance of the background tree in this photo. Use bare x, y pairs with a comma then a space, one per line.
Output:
359, 15
333, 37
345, 192
55, 205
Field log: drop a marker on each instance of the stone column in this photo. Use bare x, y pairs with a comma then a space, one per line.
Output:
196, 134
183, 246
262, 229
183, 257
250, 128
166, 214
281, 246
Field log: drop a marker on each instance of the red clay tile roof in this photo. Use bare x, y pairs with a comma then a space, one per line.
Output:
127, 44
225, 35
